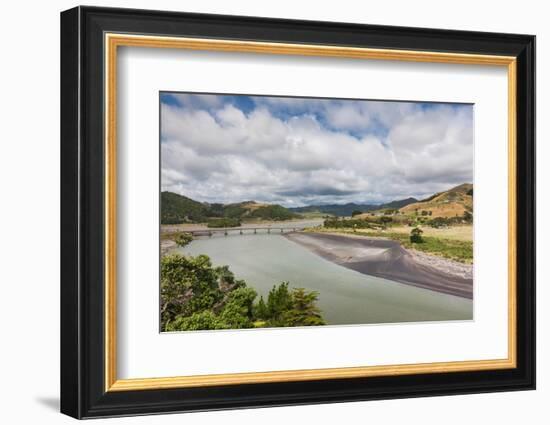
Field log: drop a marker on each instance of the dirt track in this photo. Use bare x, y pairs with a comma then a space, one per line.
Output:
386, 259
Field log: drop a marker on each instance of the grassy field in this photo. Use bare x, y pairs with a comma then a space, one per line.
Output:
314, 214
451, 243
459, 233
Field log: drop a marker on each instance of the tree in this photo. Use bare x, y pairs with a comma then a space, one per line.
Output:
183, 238
188, 285
205, 320
468, 217
279, 300
356, 212
237, 312
261, 310
197, 296
416, 235
304, 312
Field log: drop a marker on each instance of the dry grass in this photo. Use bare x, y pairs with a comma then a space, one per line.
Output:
441, 245
451, 203
451, 209
459, 233
253, 205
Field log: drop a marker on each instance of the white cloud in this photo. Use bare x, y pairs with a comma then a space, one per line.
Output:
299, 151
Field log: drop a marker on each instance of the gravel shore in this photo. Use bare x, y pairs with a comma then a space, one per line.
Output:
388, 259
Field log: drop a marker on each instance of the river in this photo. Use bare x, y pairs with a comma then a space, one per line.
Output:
345, 296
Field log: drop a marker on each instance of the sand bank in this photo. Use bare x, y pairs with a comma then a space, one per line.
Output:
389, 260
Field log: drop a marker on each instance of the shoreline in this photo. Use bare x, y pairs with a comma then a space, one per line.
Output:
387, 259
183, 227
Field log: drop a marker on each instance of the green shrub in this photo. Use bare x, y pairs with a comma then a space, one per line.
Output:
183, 239
197, 296
416, 235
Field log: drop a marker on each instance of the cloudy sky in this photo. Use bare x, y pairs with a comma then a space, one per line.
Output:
296, 152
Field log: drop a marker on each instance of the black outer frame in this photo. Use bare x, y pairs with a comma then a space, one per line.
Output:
82, 212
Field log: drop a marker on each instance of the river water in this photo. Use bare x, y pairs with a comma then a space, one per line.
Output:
345, 296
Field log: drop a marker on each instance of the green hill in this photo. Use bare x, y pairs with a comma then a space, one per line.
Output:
177, 209
272, 212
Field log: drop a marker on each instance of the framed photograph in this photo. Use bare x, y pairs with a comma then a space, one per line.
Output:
261, 212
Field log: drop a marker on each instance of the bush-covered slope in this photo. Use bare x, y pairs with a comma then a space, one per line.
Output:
179, 209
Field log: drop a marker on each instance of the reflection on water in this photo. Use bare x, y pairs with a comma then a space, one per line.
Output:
345, 296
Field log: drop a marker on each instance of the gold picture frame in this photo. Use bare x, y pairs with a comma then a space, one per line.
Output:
114, 41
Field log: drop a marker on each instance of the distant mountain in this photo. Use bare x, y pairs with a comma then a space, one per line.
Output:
398, 204
177, 209
450, 203
334, 209
346, 210
180, 209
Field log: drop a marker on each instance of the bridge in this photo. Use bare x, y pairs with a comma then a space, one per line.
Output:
244, 230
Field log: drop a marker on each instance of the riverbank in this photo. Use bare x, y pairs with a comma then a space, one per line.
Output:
167, 245
453, 243
388, 259
167, 229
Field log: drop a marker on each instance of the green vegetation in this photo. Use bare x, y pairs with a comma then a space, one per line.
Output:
314, 215
183, 238
336, 223
177, 209
272, 212
356, 212
416, 235
371, 222
438, 222
286, 308
197, 296
439, 214
223, 222
453, 249
234, 211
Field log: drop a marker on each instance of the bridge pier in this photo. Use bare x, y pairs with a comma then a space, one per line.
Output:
242, 231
